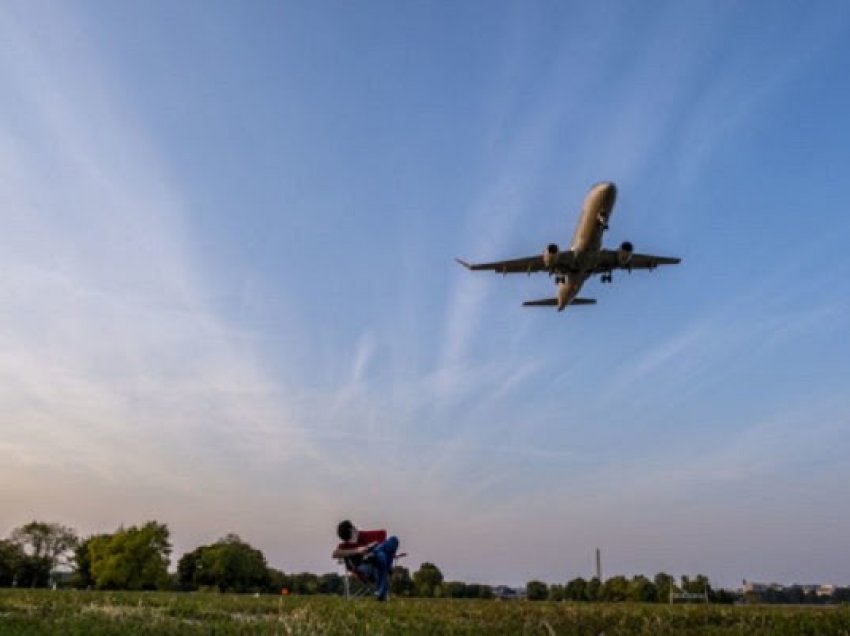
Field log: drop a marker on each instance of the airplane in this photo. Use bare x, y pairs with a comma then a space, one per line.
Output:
586, 256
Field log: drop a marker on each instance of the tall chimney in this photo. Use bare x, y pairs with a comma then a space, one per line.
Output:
598, 565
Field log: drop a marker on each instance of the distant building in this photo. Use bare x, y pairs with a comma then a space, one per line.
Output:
506, 593
760, 588
821, 589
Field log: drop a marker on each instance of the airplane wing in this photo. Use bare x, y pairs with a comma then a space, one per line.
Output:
608, 260
526, 265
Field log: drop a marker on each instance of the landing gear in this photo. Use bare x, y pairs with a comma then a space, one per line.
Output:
603, 222
607, 278
560, 280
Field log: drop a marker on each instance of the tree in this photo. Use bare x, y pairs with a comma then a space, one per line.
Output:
576, 590
642, 590
33, 571
132, 558
593, 591
187, 569
536, 591
45, 546
773, 595
663, 584
615, 589
454, 589
697, 585
400, 582
82, 560
277, 581
331, 583
11, 556
794, 595
723, 597
233, 565
427, 580
556, 592
304, 583
230, 564
476, 590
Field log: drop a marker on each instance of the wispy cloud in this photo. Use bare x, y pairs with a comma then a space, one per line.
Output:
111, 358
735, 96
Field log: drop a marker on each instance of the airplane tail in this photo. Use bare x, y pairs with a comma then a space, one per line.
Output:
553, 302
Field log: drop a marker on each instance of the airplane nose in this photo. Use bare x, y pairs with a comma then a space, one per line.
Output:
601, 195
609, 194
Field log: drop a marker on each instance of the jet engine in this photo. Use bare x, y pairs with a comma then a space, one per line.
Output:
550, 256
624, 254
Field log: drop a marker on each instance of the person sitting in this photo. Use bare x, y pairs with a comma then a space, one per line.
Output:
368, 554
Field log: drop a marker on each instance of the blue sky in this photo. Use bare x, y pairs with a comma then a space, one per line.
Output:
229, 300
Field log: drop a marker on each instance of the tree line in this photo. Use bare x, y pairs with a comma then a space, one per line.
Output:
41, 554
797, 595
638, 589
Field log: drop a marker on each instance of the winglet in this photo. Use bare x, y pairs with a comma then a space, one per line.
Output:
464, 263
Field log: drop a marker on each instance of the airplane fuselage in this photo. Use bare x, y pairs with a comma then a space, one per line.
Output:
587, 239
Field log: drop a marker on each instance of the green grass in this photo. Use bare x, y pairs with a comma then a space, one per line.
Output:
96, 613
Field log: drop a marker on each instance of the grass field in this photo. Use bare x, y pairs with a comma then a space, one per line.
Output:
93, 613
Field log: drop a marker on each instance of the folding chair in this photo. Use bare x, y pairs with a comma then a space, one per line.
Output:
355, 584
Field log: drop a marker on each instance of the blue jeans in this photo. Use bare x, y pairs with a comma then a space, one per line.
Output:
378, 566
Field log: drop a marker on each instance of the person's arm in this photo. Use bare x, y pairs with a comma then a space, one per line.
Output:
343, 553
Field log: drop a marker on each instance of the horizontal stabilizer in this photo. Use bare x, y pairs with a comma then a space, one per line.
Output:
553, 302
543, 302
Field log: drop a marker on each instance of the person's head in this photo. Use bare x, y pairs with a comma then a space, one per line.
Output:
346, 531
